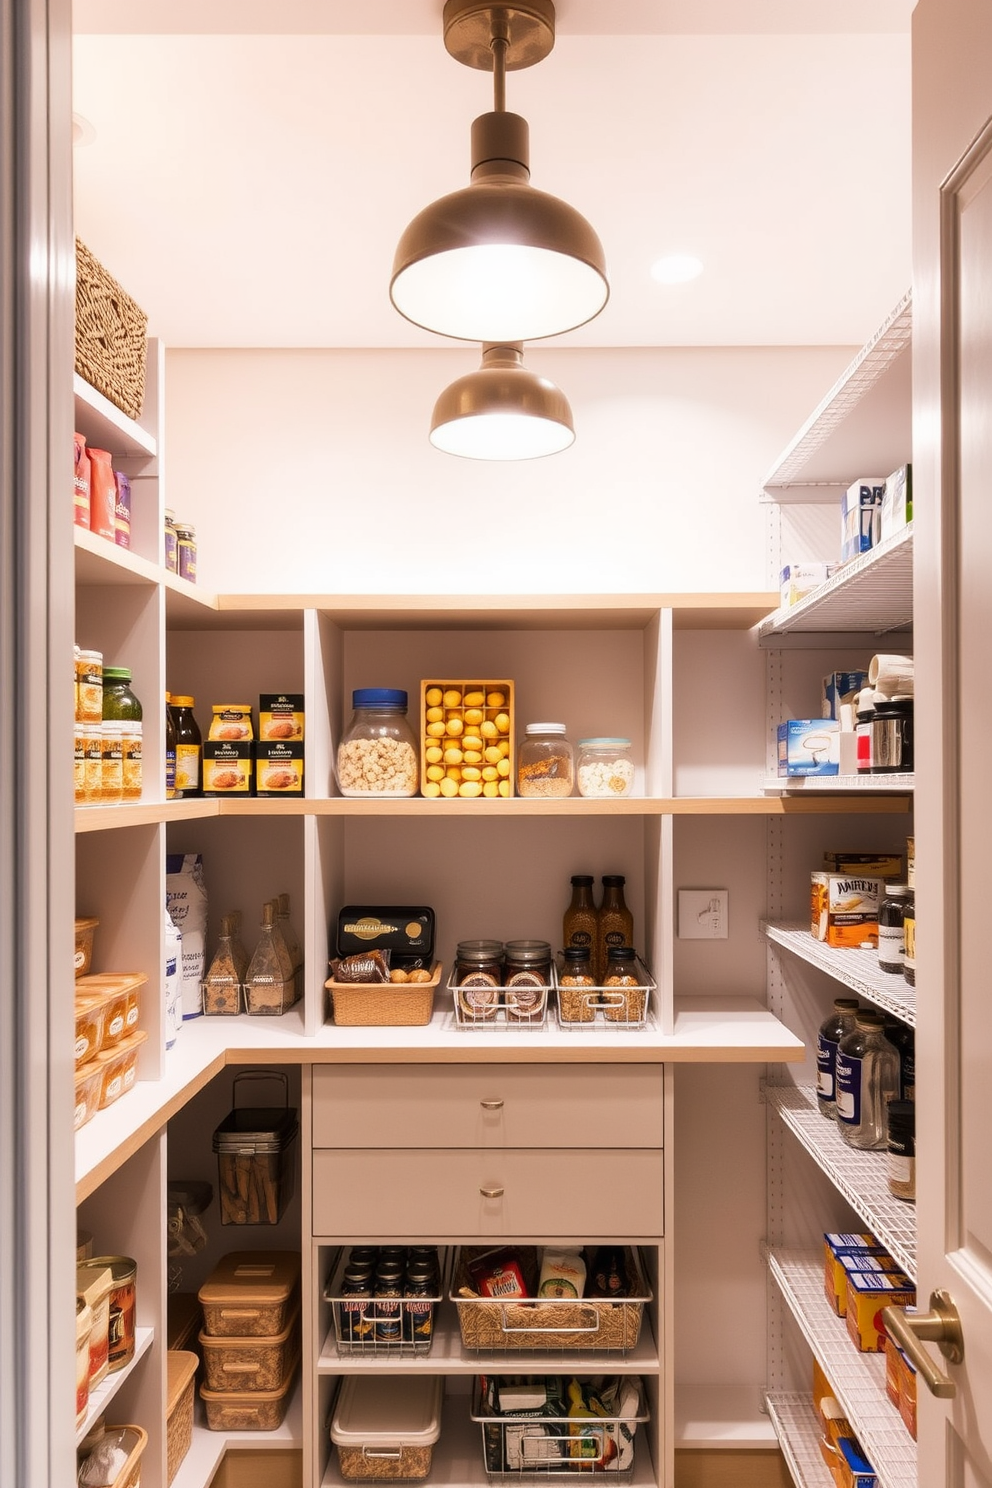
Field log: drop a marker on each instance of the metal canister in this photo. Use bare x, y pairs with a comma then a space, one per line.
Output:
123, 1271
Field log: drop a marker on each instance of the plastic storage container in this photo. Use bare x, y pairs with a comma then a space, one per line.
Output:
250, 1293
85, 931
254, 1147
603, 767
384, 1427
377, 756
250, 1363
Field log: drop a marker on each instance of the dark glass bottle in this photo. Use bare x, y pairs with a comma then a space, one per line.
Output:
579, 922
189, 748
909, 940
357, 1325
388, 1312
418, 1308
171, 791
832, 1030
891, 940
903, 1039
614, 922
608, 1275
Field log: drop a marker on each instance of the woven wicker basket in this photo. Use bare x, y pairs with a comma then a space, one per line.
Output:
179, 1407
110, 335
135, 1443
357, 1004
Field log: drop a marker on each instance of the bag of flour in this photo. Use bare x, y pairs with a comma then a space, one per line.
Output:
186, 901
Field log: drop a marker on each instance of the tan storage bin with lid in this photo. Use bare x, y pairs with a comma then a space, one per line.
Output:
119, 1068
384, 1426
259, 1362
120, 992
179, 1407
86, 928
250, 1293
248, 1410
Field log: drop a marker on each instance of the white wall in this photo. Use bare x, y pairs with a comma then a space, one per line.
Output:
311, 471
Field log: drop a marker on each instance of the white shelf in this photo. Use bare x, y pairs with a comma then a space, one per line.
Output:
105, 426
798, 1431
859, 970
873, 593
103, 1393
721, 1417
862, 1177
207, 1447
859, 785
858, 1379
862, 427
448, 1356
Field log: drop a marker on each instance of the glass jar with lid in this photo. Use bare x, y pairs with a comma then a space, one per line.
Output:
891, 911
545, 761
377, 755
122, 706
603, 767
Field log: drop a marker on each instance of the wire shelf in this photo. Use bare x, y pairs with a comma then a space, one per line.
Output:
860, 1176
858, 1379
798, 1432
899, 783
856, 969
873, 593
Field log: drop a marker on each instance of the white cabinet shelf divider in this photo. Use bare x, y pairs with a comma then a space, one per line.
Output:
798, 1435
857, 970
860, 1176
103, 1393
858, 1379
872, 594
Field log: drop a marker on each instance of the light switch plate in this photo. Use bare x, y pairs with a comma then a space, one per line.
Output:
703, 914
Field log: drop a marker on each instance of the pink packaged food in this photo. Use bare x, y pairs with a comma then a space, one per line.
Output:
122, 510
81, 481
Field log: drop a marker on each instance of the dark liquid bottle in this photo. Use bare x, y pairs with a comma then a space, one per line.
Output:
171, 793
189, 748
615, 923
608, 1275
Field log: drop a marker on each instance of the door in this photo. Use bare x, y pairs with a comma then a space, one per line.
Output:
952, 457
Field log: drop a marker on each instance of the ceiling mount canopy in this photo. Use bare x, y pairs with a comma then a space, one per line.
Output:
499, 261
502, 411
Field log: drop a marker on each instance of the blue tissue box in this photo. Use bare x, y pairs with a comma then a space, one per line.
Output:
809, 746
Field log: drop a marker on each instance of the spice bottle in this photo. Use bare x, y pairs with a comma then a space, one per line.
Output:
111, 764
909, 939
832, 1030
579, 922
867, 1080
171, 793
418, 1311
189, 747
865, 714
388, 1313
121, 706
903, 1040
890, 928
186, 551
614, 921
545, 764
902, 1149
356, 1305
576, 967
171, 542
222, 984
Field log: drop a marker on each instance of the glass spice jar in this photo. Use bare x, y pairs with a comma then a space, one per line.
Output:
614, 923
831, 1031
377, 755
121, 705
891, 911
545, 762
603, 767
902, 1149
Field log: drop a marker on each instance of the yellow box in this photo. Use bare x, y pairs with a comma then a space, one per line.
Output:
867, 1293
844, 908
467, 738
835, 1247
907, 1389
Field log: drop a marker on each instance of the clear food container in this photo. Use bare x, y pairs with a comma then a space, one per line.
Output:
384, 1426
604, 767
377, 755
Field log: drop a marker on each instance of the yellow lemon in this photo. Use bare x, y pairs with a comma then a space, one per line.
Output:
473, 757
452, 698
502, 723
471, 741
436, 730
471, 772
473, 716
474, 699
433, 696
434, 715
470, 788
490, 788
455, 725
448, 787
488, 729
490, 772
504, 787
435, 772
432, 790
493, 754
495, 699
433, 754
453, 755
503, 768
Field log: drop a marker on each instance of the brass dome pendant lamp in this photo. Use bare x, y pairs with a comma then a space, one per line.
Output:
502, 411
499, 261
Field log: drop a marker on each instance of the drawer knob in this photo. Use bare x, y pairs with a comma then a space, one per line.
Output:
491, 1193
491, 1105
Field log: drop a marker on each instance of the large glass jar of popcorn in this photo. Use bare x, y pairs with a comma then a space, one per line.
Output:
604, 767
377, 755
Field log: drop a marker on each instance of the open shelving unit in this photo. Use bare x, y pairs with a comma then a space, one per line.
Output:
857, 970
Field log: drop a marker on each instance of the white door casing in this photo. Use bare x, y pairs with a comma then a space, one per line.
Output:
952, 458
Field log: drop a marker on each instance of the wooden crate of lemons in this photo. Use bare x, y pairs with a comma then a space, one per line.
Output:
467, 740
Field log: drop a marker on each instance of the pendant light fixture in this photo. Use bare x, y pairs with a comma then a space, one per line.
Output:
499, 261
502, 411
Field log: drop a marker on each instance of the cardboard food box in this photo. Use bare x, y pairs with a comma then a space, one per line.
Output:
867, 1293
866, 865
809, 746
844, 908
467, 738
861, 517
796, 580
835, 1247
281, 717
278, 768
227, 767
897, 501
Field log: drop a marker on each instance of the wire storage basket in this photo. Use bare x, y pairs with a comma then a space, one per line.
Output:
624, 1008
368, 1326
553, 1426
550, 1323
517, 1009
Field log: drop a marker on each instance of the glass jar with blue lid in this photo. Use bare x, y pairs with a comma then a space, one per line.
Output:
377, 755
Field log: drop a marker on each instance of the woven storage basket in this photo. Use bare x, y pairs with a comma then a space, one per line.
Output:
588, 1324
179, 1407
110, 335
404, 1004
136, 1441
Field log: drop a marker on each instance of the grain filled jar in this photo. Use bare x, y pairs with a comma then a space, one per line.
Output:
545, 762
377, 755
603, 767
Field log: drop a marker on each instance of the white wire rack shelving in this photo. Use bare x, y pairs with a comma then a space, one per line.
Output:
858, 1379
847, 785
873, 593
862, 1177
798, 1432
855, 969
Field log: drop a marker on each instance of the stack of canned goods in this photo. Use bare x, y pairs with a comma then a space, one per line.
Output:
107, 755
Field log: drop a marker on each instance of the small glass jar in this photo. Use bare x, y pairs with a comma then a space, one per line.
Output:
890, 928
171, 542
545, 762
909, 939
526, 974
186, 551
480, 959
603, 767
377, 755
902, 1149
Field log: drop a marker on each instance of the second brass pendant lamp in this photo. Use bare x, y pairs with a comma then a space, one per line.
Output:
499, 261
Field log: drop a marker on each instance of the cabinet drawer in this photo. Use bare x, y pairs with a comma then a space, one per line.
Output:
488, 1105
577, 1194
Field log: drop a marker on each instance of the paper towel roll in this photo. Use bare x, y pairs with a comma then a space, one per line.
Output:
891, 674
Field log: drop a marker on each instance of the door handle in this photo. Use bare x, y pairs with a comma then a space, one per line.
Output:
491, 1105
942, 1326
491, 1193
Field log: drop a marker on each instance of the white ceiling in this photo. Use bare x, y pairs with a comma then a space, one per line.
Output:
252, 165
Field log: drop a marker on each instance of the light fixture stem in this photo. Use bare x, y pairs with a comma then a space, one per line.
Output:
498, 43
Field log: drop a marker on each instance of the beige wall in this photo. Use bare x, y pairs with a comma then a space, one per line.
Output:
311, 470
